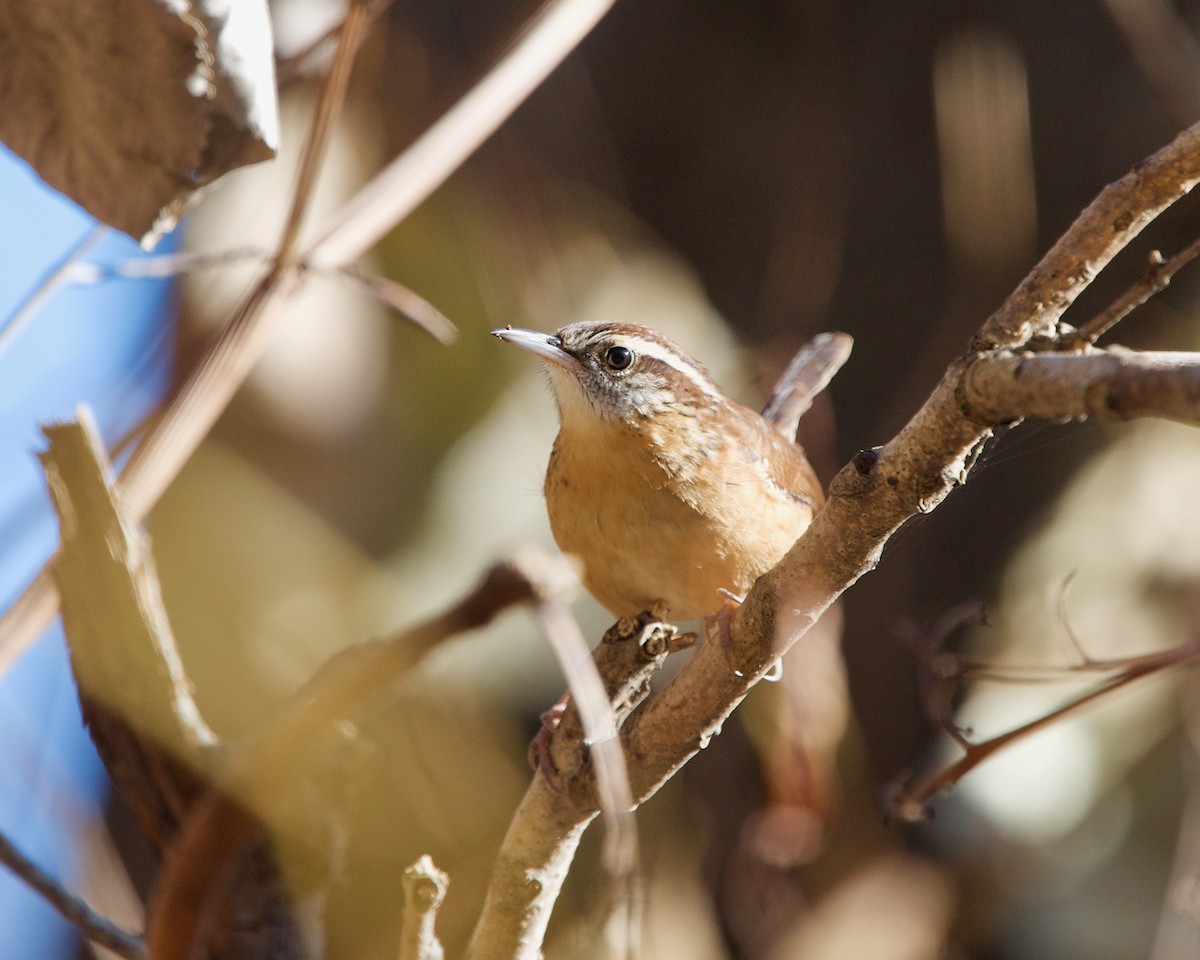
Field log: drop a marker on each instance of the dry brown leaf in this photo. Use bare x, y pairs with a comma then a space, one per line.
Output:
129, 107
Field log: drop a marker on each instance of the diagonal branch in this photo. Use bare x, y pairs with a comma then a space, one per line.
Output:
423, 167
217, 834
908, 801
869, 500
1156, 279
1104, 229
96, 928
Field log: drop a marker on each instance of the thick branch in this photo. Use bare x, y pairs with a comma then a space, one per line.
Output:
869, 500
1109, 384
542, 837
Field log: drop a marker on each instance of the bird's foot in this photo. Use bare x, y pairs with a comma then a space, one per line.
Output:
716, 625
539, 746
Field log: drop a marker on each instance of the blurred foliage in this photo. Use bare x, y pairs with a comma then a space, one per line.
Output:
772, 169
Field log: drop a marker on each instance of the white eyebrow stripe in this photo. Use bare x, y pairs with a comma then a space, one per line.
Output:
648, 348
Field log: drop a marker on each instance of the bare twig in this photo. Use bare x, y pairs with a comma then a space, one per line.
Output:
1156, 279
222, 824
392, 294
58, 273
1064, 616
620, 852
391, 196
1110, 222
412, 177
164, 265
908, 801
96, 928
290, 68
869, 500
424, 890
329, 105
403, 300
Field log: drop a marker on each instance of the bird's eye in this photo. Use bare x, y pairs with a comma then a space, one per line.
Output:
618, 358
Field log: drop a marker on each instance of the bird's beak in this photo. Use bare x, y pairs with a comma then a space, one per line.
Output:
548, 347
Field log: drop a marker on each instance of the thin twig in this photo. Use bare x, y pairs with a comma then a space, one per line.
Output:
220, 827
392, 294
57, 274
1111, 221
1156, 279
321, 128
392, 195
1064, 615
620, 851
163, 265
424, 888
403, 300
290, 68
227, 362
96, 928
908, 802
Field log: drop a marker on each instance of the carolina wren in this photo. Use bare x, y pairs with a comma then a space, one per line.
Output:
669, 492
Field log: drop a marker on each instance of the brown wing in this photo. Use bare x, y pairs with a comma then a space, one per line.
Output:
781, 462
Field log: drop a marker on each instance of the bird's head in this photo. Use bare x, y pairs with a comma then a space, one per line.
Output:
611, 371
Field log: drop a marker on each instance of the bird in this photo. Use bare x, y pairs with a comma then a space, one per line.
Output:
671, 495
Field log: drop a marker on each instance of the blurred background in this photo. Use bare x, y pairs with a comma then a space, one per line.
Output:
742, 176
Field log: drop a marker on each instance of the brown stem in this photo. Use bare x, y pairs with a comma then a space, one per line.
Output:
96, 928
908, 802
221, 826
1156, 279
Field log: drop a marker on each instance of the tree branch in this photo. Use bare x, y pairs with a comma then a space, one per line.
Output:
216, 836
908, 801
1156, 279
1104, 229
1113, 384
424, 890
868, 501
96, 928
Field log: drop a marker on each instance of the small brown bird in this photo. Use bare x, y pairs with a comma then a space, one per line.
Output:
669, 492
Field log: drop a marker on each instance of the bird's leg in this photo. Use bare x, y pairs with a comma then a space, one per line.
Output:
720, 620
716, 625
652, 638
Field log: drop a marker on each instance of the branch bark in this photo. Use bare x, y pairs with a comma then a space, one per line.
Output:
424, 890
869, 500
1111, 384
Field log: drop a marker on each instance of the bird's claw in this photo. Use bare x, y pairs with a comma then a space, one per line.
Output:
539, 747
